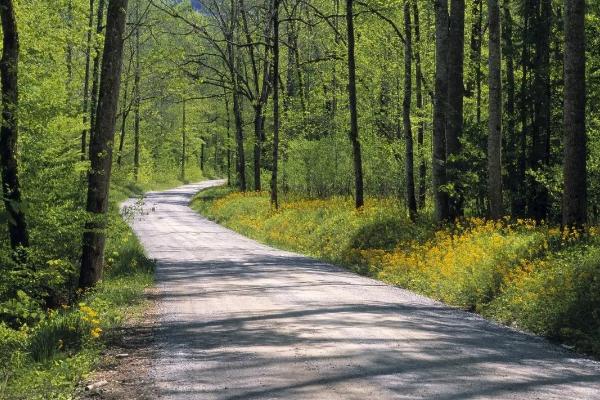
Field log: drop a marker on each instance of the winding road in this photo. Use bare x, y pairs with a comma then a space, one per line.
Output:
241, 320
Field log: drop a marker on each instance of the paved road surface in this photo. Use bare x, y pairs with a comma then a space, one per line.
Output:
240, 320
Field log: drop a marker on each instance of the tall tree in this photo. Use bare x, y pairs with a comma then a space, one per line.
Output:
408, 138
274, 189
539, 159
96, 67
476, 42
454, 115
183, 139
86, 82
354, 136
101, 146
574, 206
9, 132
420, 106
495, 112
137, 96
440, 194
512, 143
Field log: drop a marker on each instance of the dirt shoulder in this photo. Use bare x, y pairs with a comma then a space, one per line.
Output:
124, 370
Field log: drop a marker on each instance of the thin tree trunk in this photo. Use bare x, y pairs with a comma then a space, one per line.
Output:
228, 127
495, 112
237, 111
101, 146
520, 203
354, 136
258, 124
538, 199
419, 98
86, 82
439, 112
454, 116
274, 188
137, 100
183, 141
476, 42
96, 68
9, 132
411, 202
511, 139
574, 207
124, 115
202, 158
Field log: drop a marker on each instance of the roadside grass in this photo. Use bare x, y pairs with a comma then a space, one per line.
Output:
530, 276
45, 352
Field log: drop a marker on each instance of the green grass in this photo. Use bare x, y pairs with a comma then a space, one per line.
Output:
534, 277
48, 356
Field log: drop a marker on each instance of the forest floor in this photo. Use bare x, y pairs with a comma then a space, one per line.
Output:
241, 320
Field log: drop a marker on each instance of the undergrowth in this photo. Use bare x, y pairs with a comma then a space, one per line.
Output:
531, 276
51, 335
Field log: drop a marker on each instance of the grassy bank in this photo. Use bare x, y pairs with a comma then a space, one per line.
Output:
534, 277
46, 350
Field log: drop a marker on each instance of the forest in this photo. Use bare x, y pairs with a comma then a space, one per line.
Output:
449, 147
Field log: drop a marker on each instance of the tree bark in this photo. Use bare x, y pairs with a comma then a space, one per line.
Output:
419, 99
9, 132
411, 201
476, 42
274, 188
454, 118
574, 206
538, 199
439, 112
96, 68
228, 127
183, 141
511, 138
101, 146
354, 135
520, 202
495, 112
137, 99
86, 82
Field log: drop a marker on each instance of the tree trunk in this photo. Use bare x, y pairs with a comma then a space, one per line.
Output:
96, 68
183, 142
419, 98
495, 112
137, 99
476, 41
439, 113
101, 146
237, 111
202, 155
538, 199
86, 82
410, 173
574, 206
354, 137
454, 115
124, 115
520, 203
228, 127
9, 71
511, 139
274, 189
258, 134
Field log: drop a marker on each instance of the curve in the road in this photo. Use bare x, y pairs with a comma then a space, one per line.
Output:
240, 320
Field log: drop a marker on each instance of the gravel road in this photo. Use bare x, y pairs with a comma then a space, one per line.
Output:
240, 320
